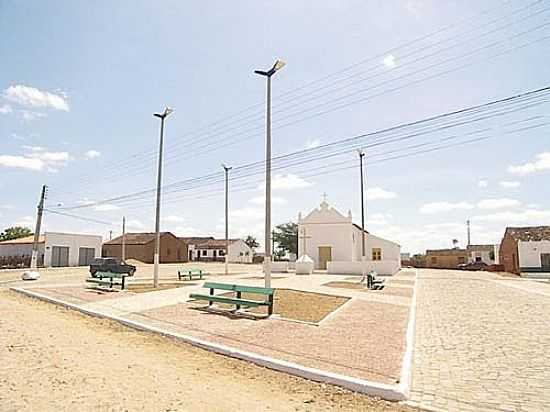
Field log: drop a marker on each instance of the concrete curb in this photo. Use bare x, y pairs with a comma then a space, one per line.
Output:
385, 391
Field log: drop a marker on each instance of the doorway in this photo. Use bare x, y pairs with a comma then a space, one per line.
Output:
60, 256
545, 262
325, 255
85, 256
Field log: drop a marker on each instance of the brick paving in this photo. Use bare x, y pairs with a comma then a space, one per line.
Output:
481, 343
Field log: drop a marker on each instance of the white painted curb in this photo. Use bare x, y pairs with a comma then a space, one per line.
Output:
384, 391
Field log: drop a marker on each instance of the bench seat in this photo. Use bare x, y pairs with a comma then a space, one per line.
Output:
229, 300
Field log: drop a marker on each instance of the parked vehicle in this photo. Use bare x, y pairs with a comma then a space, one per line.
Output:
111, 264
474, 266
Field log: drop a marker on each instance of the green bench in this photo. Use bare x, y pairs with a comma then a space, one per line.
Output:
237, 299
100, 278
182, 273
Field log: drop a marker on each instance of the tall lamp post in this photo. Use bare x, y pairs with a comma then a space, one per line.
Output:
162, 116
226, 169
279, 64
361, 156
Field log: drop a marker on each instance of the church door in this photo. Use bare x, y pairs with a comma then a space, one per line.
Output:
325, 255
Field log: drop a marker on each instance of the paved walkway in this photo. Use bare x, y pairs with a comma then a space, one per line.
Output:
482, 343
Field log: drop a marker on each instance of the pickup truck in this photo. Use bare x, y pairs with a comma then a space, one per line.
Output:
110, 264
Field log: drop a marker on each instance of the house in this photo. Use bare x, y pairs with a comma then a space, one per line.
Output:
487, 254
446, 258
334, 243
526, 249
54, 250
215, 250
192, 244
141, 246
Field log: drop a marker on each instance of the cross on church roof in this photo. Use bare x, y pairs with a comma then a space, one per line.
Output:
325, 197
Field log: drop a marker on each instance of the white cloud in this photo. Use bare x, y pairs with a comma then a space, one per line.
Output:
26, 221
21, 162
250, 213
529, 216
482, 183
275, 200
173, 219
286, 182
85, 201
510, 184
389, 61
6, 109
106, 208
497, 203
378, 219
541, 163
33, 148
134, 224
33, 97
376, 193
439, 207
312, 144
30, 116
92, 154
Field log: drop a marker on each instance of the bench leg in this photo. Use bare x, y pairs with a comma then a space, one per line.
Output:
212, 293
123, 281
238, 297
270, 306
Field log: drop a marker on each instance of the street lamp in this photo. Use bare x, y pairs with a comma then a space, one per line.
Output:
361, 156
226, 169
162, 116
279, 64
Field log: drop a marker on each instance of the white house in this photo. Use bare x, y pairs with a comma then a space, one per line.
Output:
334, 243
526, 250
54, 249
487, 254
210, 249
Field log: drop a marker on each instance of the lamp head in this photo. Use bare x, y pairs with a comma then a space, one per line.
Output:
167, 111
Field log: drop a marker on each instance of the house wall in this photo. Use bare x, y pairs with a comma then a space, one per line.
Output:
508, 254
19, 249
240, 252
529, 254
446, 261
390, 251
208, 254
336, 235
485, 257
172, 250
74, 242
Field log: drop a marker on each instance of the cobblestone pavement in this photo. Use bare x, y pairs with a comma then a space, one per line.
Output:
481, 344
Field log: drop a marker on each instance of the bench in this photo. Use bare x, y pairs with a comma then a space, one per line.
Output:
182, 273
237, 299
113, 279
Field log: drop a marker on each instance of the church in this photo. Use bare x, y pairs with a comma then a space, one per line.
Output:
334, 243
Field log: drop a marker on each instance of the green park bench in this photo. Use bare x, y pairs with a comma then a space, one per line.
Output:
237, 299
108, 279
182, 273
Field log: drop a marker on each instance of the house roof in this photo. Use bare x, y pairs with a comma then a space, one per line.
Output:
215, 244
136, 238
531, 233
23, 240
480, 248
196, 240
440, 252
359, 227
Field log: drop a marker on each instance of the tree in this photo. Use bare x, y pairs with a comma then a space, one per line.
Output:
286, 237
15, 232
251, 242
455, 243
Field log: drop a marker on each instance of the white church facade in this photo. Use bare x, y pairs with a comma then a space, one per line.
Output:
334, 243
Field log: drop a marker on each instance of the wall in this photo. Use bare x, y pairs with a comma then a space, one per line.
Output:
381, 267
508, 254
446, 261
210, 254
19, 249
172, 249
240, 252
485, 257
73, 241
529, 254
390, 251
336, 235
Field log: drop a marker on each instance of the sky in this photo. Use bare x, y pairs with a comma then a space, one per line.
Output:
80, 81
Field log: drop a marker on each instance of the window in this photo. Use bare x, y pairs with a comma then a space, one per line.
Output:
461, 259
241, 254
214, 253
204, 252
221, 252
376, 253
478, 258
246, 253
434, 259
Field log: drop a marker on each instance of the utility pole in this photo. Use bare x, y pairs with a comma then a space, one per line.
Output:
361, 155
279, 64
123, 239
34, 256
162, 116
468, 226
110, 235
226, 169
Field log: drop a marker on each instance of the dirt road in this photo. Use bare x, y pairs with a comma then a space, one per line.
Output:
54, 359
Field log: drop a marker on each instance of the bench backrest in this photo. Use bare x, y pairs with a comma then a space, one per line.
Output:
239, 288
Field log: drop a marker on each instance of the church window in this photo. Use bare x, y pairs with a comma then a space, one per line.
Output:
376, 253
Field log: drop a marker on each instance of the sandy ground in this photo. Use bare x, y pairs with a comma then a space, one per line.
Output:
53, 359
